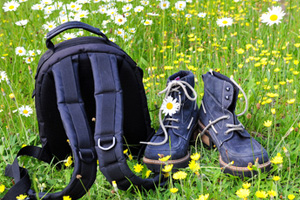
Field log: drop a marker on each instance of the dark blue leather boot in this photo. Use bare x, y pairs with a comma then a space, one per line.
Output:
180, 122
220, 126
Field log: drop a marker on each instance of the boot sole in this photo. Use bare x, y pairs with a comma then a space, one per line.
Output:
157, 165
226, 167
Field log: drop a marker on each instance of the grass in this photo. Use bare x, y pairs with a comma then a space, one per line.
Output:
263, 59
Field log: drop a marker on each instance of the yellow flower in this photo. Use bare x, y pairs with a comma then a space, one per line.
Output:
69, 161
273, 111
246, 185
291, 101
138, 168
272, 193
261, 194
180, 175
259, 41
203, 197
291, 196
276, 178
267, 123
277, 159
243, 193
21, 197
148, 172
194, 166
297, 45
240, 51
125, 151
2, 188
11, 95
67, 198
130, 157
195, 156
173, 190
164, 158
167, 168
276, 69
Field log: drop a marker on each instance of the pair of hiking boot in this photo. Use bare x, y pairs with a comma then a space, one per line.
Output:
216, 121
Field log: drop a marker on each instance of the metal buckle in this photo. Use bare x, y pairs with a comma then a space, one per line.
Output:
107, 148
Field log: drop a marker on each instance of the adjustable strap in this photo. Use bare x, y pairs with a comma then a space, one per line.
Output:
109, 125
71, 108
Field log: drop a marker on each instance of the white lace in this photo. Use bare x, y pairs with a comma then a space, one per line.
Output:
232, 127
173, 86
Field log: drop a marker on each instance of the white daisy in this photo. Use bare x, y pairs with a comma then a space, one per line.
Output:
22, 1
148, 22
25, 110
120, 20
3, 76
10, 6
81, 14
202, 15
188, 15
20, 51
274, 16
46, 2
68, 36
138, 9
131, 30
226, 21
49, 25
120, 32
28, 60
164, 4
31, 53
37, 7
170, 106
21, 22
180, 5
127, 7
145, 3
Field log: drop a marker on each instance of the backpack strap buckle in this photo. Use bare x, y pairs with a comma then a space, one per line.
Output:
107, 148
86, 155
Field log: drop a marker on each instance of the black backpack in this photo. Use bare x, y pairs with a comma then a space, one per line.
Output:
89, 95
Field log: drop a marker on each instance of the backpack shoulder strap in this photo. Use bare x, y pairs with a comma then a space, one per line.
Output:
109, 125
72, 112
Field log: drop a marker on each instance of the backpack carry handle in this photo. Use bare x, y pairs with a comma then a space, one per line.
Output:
71, 25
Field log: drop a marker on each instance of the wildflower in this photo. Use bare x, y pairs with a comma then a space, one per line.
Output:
120, 20
180, 5
12, 96
203, 197
291, 196
179, 175
261, 194
2, 188
68, 36
125, 151
173, 190
3, 76
224, 22
164, 158
273, 111
276, 178
194, 166
10, 6
291, 101
138, 168
49, 25
131, 30
67, 198
114, 184
21, 22
25, 110
20, 51
127, 7
273, 16
148, 172
164, 4
69, 161
195, 156
170, 106
243, 193
138, 9
120, 32
81, 14
267, 123
130, 157
277, 159
167, 168
202, 15
272, 193
240, 51
29, 60
21, 197
148, 22
246, 185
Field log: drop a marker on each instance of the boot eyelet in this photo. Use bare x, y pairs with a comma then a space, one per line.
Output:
228, 89
227, 97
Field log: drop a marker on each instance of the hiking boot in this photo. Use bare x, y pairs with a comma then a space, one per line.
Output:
181, 115
220, 126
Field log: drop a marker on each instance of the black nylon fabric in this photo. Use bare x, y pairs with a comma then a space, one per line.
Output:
109, 132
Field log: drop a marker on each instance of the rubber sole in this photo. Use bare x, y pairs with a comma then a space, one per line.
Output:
230, 169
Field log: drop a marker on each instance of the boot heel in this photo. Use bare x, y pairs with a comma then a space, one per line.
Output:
205, 138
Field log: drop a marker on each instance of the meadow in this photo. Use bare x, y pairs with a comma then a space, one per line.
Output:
255, 41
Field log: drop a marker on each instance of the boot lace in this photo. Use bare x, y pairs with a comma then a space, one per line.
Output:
173, 86
231, 127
